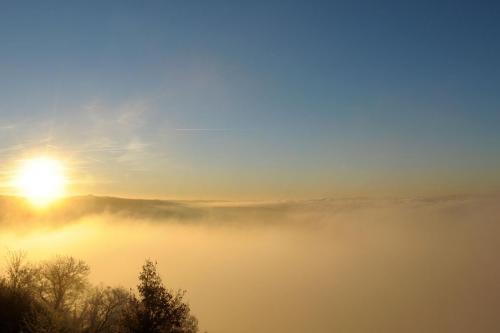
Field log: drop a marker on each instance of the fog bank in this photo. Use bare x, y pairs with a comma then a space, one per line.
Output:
332, 265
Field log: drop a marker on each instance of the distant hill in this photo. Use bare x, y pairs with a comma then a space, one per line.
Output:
17, 211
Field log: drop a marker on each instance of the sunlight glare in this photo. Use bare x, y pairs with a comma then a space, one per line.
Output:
41, 180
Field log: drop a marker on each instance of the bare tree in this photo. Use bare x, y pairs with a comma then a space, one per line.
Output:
60, 285
21, 275
103, 309
62, 281
56, 297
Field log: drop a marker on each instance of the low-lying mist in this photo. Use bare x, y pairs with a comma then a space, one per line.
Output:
345, 265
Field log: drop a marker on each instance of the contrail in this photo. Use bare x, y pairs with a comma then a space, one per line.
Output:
204, 129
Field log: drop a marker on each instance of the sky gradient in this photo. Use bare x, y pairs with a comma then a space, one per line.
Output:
267, 99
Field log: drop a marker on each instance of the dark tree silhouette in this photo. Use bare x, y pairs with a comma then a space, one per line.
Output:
55, 296
157, 310
15, 308
17, 303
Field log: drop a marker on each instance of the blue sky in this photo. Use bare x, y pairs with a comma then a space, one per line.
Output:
225, 99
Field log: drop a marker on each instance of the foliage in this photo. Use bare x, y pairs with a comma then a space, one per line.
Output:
55, 296
157, 310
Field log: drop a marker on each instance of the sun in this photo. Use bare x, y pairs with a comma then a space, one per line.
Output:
41, 180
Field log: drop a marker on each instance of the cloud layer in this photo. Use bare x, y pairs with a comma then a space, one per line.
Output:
332, 265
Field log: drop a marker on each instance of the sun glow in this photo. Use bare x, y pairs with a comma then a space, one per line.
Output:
41, 180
